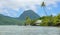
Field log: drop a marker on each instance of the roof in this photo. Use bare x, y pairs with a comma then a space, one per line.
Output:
38, 21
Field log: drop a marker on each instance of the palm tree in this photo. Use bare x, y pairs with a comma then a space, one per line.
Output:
28, 21
44, 7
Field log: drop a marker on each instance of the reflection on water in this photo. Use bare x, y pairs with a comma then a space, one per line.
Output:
28, 30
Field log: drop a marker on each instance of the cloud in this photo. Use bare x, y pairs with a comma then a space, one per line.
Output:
16, 4
25, 4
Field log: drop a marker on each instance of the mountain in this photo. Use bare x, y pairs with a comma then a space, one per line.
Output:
5, 20
29, 13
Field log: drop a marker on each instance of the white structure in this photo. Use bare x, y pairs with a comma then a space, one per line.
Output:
38, 22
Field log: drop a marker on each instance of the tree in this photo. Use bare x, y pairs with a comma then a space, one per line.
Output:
28, 21
50, 22
44, 7
56, 19
44, 21
47, 21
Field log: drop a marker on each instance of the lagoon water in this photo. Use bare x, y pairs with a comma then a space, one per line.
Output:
28, 30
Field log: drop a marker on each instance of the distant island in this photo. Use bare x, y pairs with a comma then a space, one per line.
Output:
29, 17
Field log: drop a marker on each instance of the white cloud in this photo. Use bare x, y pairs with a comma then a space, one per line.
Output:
25, 4
15, 4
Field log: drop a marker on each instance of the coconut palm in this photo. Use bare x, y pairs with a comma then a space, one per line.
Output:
44, 7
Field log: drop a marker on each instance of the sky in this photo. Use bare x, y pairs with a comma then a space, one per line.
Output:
14, 8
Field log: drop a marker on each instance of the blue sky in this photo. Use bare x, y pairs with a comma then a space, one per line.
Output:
14, 8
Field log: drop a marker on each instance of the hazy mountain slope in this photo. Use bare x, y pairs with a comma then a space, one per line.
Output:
28, 13
4, 20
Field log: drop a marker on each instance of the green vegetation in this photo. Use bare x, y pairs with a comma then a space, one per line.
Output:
46, 21
28, 21
50, 20
5, 20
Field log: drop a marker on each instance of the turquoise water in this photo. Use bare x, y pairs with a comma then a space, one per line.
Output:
28, 30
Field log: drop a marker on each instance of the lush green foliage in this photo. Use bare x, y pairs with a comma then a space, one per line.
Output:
27, 21
50, 20
46, 21
4, 20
